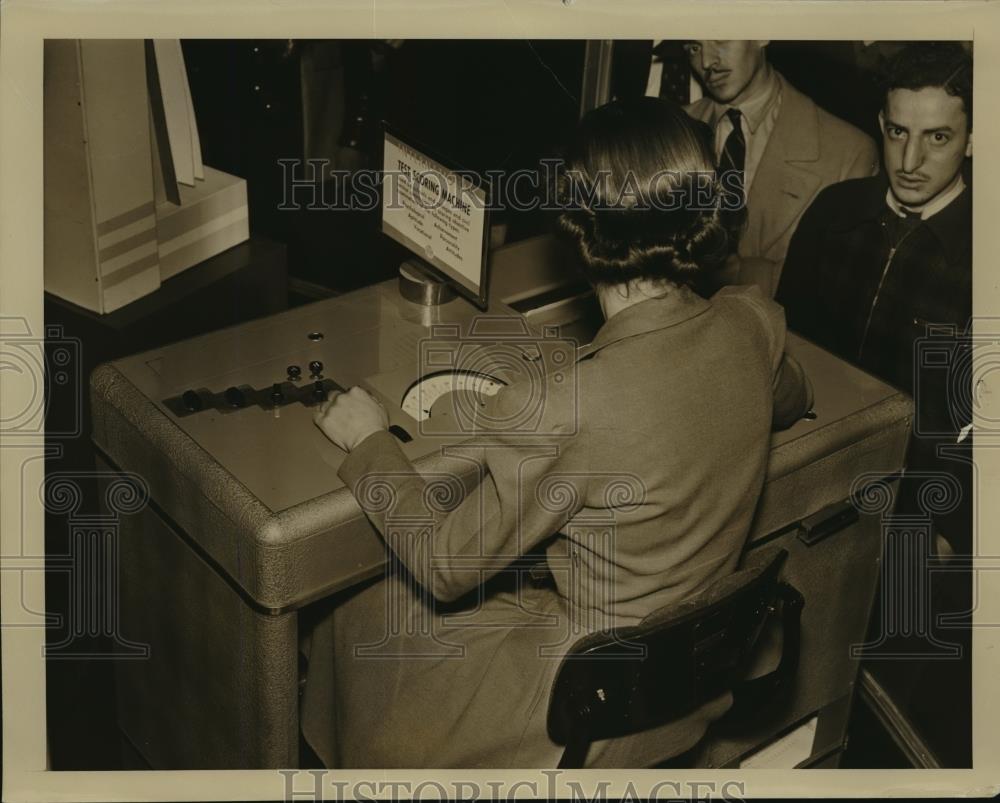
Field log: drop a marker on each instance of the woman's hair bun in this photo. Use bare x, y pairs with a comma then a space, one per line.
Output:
639, 195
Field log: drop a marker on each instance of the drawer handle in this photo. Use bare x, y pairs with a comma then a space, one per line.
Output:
824, 523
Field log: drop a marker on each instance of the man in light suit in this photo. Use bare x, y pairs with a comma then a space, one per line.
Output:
785, 148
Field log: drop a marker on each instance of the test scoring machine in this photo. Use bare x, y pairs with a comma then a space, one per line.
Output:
248, 526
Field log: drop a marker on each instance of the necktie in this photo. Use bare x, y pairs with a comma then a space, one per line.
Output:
734, 154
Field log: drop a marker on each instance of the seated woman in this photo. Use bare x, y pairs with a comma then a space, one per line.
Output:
638, 480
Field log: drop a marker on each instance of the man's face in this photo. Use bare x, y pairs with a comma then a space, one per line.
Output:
925, 136
728, 69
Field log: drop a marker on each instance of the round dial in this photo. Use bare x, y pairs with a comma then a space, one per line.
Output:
422, 394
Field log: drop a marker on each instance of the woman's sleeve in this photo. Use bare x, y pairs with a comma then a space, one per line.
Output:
452, 539
793, 394
791, 388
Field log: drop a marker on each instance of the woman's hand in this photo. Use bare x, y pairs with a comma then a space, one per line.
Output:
348, 418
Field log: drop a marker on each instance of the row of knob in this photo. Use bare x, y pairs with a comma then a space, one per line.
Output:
236, 397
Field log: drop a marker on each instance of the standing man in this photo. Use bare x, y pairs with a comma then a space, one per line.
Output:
876, 261
783, 146
880, 272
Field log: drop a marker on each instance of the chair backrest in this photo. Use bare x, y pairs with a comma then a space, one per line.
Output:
617, 682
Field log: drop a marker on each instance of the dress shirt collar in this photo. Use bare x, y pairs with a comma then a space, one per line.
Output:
755, 108
934, 206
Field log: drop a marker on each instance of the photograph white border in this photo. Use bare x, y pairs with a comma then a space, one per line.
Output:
24, 24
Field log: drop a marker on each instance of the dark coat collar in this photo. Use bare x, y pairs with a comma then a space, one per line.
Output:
952, 226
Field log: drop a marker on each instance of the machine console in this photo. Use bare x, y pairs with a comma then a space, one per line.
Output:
247, 394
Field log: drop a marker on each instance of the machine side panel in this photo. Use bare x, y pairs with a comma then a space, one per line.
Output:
219, 687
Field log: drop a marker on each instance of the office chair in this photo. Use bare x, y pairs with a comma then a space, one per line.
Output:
619, 682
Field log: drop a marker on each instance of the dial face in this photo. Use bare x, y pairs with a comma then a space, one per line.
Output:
420, 397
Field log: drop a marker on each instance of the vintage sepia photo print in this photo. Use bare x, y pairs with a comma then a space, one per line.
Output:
517, 400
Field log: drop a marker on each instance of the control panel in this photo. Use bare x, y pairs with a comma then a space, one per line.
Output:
293, 390
247, 395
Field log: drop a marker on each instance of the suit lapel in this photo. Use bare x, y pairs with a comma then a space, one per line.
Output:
785, 178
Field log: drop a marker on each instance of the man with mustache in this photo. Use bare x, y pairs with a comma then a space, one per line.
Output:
777, 147
875, 260
875, 267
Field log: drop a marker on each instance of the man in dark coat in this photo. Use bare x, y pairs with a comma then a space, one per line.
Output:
879, 272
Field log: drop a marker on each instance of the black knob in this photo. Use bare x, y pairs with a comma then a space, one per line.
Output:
277, 397
294, 372
316, 367
319, 392
235, 397
192, 401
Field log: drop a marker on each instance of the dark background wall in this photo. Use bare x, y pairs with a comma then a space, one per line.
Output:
484, 104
